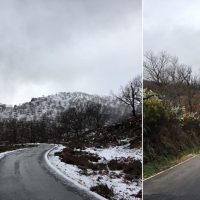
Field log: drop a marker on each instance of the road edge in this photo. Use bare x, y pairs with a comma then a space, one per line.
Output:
170, 168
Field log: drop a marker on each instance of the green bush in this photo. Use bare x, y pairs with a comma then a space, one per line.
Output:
155, 114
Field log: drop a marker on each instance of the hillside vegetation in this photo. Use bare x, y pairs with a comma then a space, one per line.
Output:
171, 112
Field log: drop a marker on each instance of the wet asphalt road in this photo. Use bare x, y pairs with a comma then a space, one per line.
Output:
181, 183
24, 175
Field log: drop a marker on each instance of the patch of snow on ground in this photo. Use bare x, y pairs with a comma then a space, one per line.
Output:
117, 152
114, 179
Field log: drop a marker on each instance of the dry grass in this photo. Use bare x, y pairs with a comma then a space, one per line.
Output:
182, 159
84, 160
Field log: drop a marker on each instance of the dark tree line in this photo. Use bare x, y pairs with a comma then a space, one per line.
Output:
78, 118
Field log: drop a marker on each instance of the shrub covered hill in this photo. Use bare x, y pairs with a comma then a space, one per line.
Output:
126, 132
59, 116
171, 130
52, 105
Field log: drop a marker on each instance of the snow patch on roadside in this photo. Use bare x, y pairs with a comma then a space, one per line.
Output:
68, 172
73, 173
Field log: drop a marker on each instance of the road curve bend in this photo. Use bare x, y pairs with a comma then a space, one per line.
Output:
24, 175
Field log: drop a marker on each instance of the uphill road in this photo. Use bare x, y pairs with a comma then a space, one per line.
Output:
180, 182
25, 175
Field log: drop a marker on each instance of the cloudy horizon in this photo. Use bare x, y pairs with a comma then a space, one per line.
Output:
68, 46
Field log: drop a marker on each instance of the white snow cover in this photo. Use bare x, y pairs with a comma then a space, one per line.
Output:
117, 152
121, 188
53, 104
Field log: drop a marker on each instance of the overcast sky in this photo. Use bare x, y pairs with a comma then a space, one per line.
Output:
173, 26
51, 46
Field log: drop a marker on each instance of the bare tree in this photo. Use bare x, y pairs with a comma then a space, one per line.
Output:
190, 83
155, 66
167, 77
131, 93
161, 69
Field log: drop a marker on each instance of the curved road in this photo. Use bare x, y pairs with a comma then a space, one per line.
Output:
181, 182
24, 175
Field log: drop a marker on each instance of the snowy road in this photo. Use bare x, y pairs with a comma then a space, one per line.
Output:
24, 175
180, 182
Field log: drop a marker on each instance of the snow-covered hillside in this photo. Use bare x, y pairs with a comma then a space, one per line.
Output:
51, 105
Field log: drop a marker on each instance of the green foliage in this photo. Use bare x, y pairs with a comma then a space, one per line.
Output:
178, 112
155, 113
149, 94
192, 115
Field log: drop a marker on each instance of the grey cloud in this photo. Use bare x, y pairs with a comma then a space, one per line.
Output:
173, 26
52, 46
